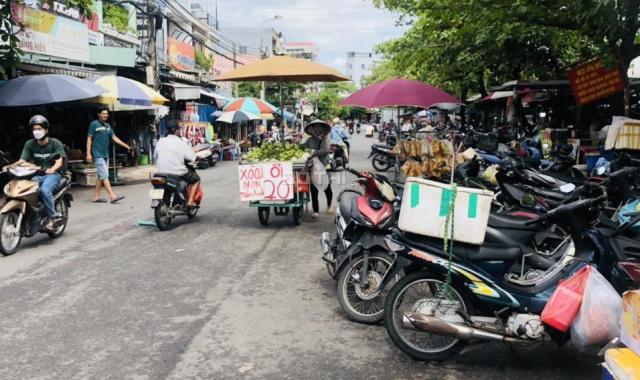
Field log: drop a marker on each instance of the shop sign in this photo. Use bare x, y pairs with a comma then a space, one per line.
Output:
592, 81
47, 34
270, 182
182, 56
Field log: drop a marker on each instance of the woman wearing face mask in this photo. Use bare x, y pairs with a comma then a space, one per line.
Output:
41, 151
319, 142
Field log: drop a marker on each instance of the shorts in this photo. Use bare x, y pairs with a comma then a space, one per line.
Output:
102, 166
191, 177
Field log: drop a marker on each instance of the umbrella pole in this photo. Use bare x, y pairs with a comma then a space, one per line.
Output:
282, 113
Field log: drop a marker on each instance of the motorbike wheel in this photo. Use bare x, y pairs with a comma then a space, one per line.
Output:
263, 215
413, 292
379, 163
9, 233
61, 208
361, 304
162, 216
333, 166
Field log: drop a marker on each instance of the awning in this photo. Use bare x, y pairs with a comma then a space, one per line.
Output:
220, 99
184, 91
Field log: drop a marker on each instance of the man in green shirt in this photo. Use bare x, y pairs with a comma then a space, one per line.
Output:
49, 154
98, 138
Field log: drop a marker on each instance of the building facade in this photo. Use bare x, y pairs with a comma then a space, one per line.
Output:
305, 50
359, 66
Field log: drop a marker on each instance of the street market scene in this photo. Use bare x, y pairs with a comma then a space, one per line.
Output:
355, 189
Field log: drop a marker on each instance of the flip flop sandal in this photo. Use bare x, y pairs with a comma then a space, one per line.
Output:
117, 200
99, 200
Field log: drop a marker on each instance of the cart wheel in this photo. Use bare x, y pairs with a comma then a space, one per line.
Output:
297, 211
263, 215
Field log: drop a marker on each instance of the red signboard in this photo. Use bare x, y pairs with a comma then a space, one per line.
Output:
592, 81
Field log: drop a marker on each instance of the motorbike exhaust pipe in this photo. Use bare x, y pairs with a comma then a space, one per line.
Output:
414, 321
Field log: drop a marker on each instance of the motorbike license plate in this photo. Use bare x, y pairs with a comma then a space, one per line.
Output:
156, 193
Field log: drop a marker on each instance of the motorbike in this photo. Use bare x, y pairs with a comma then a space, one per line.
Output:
23, 214
207, 155
351, 129
382, 157
356, 254
337, 157
169, 198
481, 292
358, 129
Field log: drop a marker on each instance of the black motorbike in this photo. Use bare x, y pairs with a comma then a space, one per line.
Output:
382, 157
169, 198
358, 128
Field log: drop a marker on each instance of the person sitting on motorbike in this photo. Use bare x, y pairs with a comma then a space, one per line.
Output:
41, 151
340, 138
170, 156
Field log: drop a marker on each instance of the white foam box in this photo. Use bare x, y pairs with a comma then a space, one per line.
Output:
425, 205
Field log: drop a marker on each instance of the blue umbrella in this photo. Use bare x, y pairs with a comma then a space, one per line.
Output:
46, 89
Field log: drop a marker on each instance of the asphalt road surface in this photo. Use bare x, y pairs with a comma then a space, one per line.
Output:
219, 297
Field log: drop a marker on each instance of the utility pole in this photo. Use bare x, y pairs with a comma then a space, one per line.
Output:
235, 65
153, 74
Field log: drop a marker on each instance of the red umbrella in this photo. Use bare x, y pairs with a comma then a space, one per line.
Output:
399, 93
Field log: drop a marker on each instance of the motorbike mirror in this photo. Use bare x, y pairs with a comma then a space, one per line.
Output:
527, 200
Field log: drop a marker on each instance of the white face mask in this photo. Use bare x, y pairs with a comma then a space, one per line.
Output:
39, 134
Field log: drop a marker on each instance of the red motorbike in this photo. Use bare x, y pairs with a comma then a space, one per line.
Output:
356, 255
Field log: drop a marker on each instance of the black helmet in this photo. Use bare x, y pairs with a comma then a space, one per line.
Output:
39, 120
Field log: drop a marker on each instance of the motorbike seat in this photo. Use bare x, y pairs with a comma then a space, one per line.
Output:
171, 177
510, 222
485, 252
381, 146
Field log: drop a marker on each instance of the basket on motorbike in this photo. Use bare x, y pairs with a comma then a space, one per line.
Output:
426, 204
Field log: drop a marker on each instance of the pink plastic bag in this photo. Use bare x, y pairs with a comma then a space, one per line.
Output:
564, 304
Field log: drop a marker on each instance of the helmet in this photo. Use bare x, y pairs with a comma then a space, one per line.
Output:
39, 120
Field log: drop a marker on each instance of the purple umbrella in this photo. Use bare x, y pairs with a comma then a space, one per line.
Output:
399, 93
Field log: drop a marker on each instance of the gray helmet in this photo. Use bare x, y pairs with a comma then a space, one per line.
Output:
39, 120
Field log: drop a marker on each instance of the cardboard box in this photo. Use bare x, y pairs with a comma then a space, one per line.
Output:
630, 324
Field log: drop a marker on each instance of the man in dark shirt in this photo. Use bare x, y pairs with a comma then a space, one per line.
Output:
49, 154
98, 138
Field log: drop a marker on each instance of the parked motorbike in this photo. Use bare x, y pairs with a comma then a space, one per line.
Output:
356, 254
207, 155
23, 214
480, 292
169, 198
382, 157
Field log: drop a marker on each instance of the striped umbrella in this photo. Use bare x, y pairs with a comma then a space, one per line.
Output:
251, 105
124, 93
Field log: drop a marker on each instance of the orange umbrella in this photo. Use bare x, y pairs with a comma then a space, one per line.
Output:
284, 69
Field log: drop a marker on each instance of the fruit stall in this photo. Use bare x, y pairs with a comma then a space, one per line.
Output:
275, 178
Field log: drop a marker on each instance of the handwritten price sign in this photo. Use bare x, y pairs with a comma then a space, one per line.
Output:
266, 182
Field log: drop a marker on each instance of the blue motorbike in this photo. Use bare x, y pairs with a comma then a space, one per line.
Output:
488, 292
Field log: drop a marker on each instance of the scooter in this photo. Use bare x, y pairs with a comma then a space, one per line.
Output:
356, 254
475, 292
23, 214
358, 128
351, 129
169, 198
337, 157
207, 155
382, 157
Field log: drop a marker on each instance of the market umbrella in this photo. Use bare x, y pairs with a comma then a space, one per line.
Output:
398, 93
46, 89
250, 105
125, 94
284, 69
233, 117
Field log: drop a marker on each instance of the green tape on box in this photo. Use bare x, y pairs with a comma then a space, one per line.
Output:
415, 195
473, 205
445, 199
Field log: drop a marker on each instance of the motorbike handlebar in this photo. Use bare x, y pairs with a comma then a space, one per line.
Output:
573, 205
354, 172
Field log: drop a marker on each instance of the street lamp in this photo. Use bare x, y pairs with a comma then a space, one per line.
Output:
263, 50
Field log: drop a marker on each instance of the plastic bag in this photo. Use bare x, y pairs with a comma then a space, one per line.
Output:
319, 176
564, 304
598, 320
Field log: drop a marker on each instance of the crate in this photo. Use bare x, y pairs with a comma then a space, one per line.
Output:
86, 179
425, 205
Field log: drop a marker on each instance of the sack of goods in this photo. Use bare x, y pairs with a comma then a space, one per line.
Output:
426, 204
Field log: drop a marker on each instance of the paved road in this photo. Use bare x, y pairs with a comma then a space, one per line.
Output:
219, 298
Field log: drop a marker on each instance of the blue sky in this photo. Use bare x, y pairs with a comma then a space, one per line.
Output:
336, 26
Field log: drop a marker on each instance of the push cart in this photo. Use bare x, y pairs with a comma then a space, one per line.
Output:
298, 185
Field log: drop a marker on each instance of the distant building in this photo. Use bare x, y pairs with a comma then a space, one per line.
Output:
205, 11
359, 66
634, 69
306, 50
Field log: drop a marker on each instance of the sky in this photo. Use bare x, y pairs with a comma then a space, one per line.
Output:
336, 26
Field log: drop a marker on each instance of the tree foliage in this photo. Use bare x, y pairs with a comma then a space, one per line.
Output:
9, 51
464, 46
328, 100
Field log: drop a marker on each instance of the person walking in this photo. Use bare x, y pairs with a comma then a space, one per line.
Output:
319, 142
98, 138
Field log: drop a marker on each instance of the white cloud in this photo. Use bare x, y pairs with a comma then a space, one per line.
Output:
336, 26
339, 63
